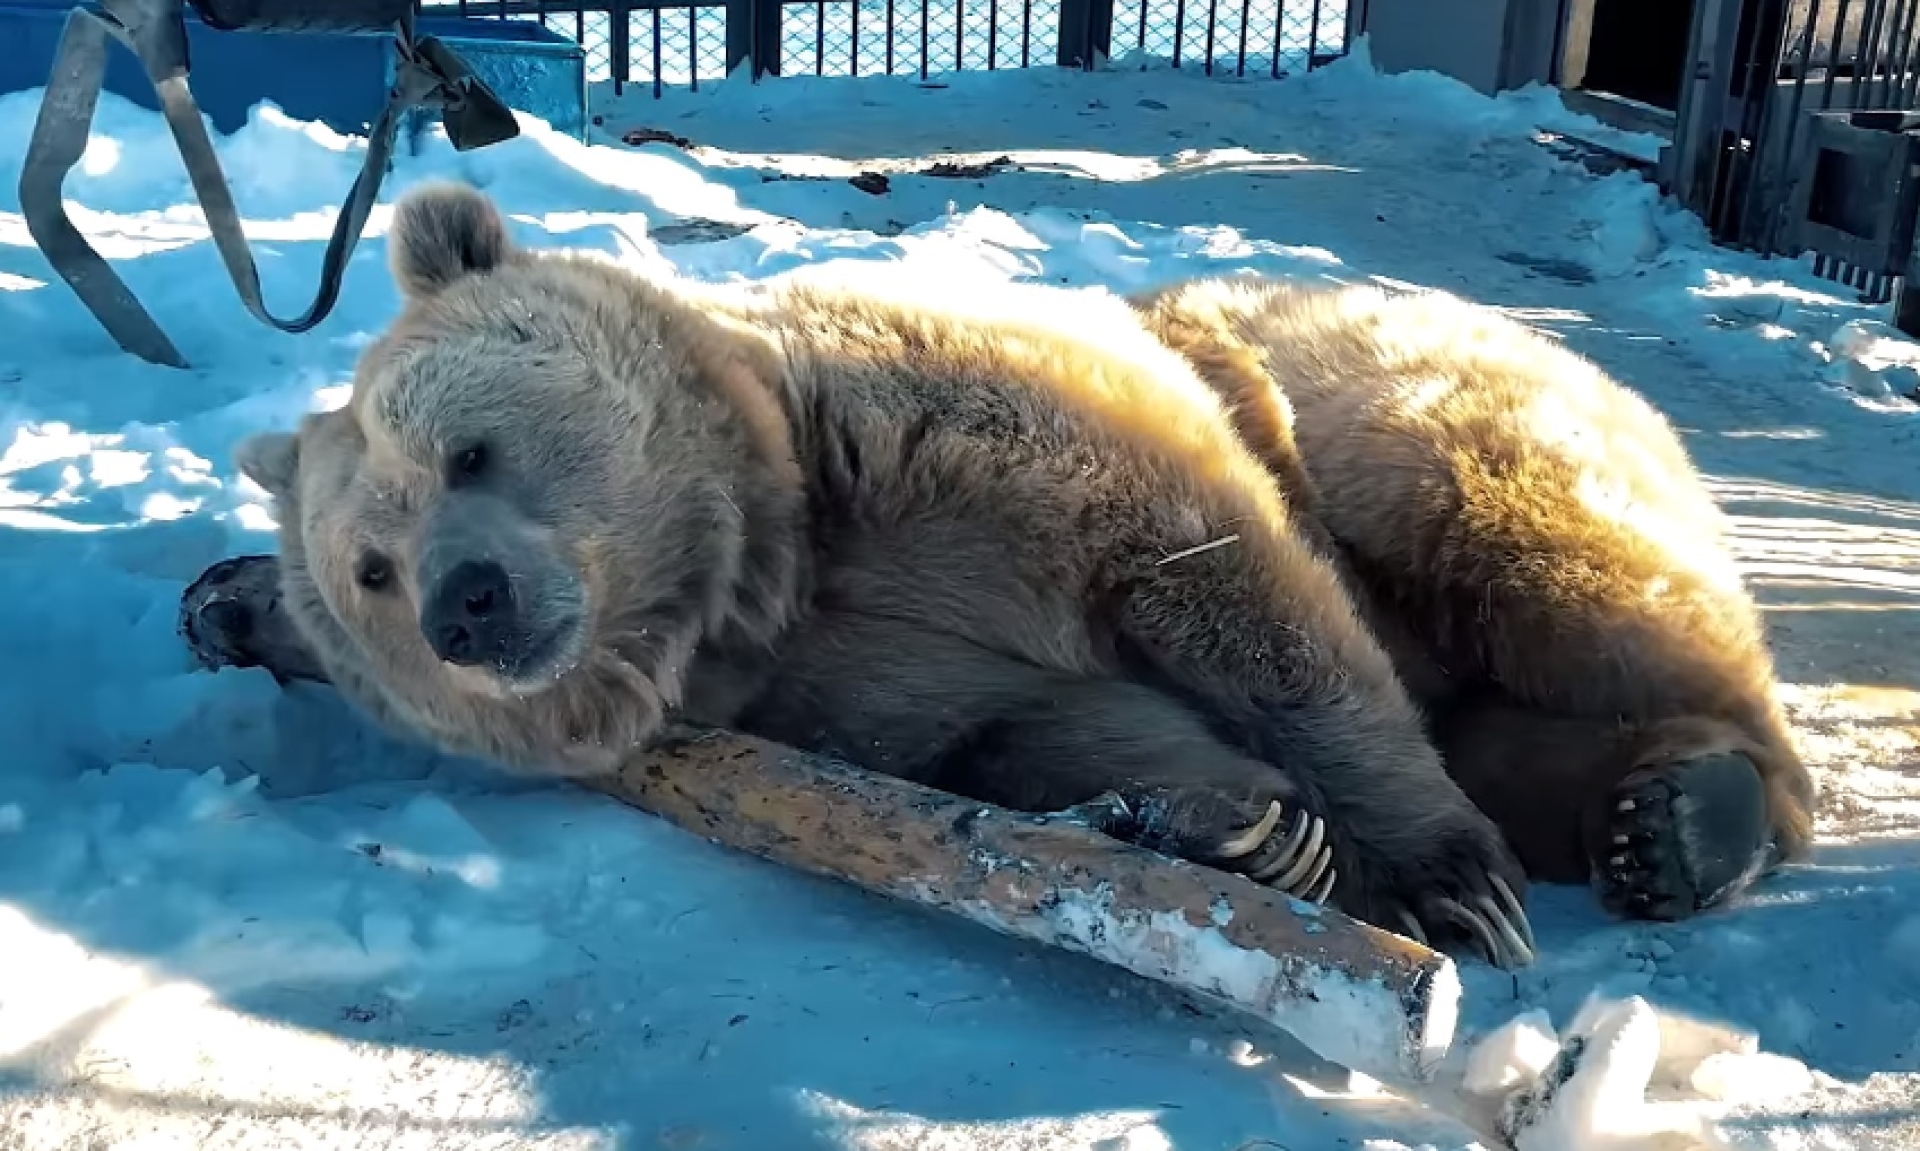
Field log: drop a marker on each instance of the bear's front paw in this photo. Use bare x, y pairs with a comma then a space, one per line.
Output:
1682, 837
1467, 888
1268, 839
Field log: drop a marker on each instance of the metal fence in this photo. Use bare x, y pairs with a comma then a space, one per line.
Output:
676, 43
1760, 68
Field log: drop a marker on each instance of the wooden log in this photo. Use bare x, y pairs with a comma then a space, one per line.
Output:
1354, 994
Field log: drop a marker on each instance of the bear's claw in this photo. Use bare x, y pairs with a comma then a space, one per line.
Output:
1682, 837
1497, 923
1485, 912
1297, 861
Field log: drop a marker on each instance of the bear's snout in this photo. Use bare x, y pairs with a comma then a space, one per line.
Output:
471, 618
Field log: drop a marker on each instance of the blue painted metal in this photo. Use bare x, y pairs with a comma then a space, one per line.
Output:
339, 79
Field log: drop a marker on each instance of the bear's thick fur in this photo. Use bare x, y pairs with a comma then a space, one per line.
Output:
1532, 543
565, 505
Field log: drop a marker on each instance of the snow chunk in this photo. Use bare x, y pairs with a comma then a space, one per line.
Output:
1874, 360
1737, 1078
1513, 1054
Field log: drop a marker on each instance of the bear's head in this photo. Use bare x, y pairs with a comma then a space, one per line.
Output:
553, 479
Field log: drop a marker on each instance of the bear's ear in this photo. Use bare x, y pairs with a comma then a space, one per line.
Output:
441, 232
272, 460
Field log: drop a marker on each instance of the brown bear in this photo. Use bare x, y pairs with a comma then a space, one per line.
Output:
1532, 543
566, 505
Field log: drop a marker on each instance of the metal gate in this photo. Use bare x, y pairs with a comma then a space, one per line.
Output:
1742, 154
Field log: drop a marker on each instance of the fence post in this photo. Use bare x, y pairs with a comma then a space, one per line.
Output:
618, 48
753, 34
1086, 33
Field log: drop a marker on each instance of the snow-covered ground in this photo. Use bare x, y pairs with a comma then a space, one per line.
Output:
234, 916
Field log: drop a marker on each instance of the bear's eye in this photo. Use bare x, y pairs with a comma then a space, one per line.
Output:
373, 571
467, 463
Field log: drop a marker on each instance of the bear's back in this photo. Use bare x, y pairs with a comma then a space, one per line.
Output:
1000, 468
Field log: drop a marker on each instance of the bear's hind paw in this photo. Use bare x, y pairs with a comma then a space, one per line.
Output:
1683, 837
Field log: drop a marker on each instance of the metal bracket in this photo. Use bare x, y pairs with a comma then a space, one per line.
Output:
429, 75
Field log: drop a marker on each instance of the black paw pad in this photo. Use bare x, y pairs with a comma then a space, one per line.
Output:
1683, 837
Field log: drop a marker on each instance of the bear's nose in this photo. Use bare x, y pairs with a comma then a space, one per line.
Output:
470, 616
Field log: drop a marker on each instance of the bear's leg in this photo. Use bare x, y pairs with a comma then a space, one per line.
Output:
1141, 767
949, 713
1665, 821
1301, 683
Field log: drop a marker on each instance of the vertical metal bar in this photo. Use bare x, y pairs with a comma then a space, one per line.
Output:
1764, 47
1179, 28
1899, 52
959, 33
1240, 63
1910, 71
768, 47
1869, 62
819, 37
1833, 54
923, 39
1793, 108
889, 37
659, 83
1213, 10
618, 61
993, 33
1026, 33
1313, 36
739, 25
1279, 36
1141, 46
1889, 46
853, 40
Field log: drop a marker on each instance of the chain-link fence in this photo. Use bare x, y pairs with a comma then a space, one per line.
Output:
683, 43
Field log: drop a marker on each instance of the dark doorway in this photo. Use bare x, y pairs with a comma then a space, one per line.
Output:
1638, 49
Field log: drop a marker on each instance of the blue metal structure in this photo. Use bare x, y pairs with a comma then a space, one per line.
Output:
338, 78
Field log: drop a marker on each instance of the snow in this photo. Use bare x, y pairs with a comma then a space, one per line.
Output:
233, 916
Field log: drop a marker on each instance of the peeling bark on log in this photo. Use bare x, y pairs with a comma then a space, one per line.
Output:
1359, 996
